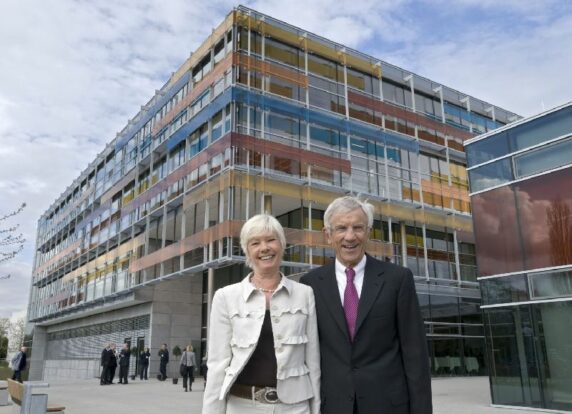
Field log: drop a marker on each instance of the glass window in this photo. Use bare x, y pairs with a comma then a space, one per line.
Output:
327, 101
511, 349
539, 130
551, 284
491, 175
543, 159
505, 290
217, 126
324, 68
444, 308
497, 232
285, 88
283, 126
545, 219
555, 349
487, 149
283, 53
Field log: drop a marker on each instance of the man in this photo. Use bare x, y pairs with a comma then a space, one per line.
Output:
18, 364
124, 356
112, 364
106, 355
372, 339
163, 360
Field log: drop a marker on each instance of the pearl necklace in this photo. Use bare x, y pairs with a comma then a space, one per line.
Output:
262, 289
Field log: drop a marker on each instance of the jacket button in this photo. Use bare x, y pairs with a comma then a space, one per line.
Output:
278, 336
276, 320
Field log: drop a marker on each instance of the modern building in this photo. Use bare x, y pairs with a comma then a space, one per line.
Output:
263, 116
521, 194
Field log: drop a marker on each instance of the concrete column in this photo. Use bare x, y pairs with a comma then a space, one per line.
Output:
175, 318
39, 348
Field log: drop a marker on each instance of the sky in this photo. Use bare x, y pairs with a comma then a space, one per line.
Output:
73, 72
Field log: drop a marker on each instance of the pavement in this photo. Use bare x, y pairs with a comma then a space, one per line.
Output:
452, 395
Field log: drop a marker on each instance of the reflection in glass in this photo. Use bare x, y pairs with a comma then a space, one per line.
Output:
544, 212
555, 345
543, 129
447, 359
491, 175
497, 232
487, 149
444, 308
551, 284
543, 159
513, 371
504, 290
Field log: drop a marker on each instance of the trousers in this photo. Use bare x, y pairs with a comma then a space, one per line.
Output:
237, 405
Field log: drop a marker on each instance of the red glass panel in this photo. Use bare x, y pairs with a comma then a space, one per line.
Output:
496, 232
545, 215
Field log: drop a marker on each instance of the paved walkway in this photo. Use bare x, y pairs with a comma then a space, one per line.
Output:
450, 396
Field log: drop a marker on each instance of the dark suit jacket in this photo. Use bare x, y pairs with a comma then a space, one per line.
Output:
106, 356
387, 366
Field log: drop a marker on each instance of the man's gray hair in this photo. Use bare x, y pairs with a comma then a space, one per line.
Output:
346, 204
257, 225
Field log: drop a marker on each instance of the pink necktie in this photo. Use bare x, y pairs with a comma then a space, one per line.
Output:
351, 300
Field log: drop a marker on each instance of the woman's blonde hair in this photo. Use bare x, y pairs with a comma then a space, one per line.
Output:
257, 225
189, 348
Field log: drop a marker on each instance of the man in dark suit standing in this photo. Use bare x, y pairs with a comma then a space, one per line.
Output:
163, 361
106, 355
124, 357
372, 338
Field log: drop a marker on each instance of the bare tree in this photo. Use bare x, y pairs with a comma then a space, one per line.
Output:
11, 243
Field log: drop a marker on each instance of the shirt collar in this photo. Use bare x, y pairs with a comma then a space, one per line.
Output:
248, 288
359, 268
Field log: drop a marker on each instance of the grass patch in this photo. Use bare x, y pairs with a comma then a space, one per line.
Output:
6, 372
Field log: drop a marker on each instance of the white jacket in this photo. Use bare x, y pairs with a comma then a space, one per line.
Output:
236, 319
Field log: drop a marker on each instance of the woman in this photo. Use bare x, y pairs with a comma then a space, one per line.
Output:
144, 363
263, 341
188, 364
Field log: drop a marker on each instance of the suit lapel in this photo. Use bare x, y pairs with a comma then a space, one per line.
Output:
331, 296
372, 285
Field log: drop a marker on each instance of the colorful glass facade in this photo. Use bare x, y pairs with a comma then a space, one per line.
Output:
265, 116
522, 211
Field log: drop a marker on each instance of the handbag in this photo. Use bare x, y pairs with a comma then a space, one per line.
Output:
183, 370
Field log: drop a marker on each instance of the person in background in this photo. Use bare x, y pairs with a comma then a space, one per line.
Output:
144, 357
372, 337
188, 364
124, 357
105, 358
204, 369
18, 364
163, 361
112, 364
263, 345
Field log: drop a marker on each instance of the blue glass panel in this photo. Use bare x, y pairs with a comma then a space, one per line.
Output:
491, 175
542, 129
203, 116
487, 149
544, 159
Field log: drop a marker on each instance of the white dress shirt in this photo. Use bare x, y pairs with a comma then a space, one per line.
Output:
342, 278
